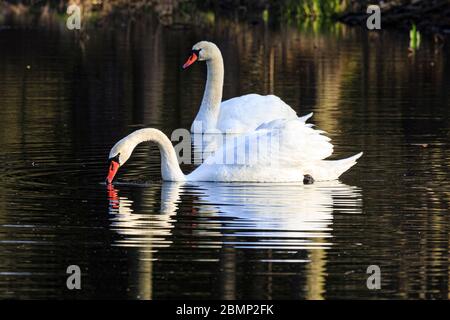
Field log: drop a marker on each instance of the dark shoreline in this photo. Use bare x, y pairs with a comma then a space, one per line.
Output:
429, 16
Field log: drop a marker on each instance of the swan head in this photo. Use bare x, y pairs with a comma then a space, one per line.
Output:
118, 155
202, 51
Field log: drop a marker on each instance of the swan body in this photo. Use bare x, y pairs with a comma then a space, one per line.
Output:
246, 113
206, 144
237, 115
279, 151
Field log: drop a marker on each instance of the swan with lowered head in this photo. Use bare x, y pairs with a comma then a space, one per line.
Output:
279, 151
237, 115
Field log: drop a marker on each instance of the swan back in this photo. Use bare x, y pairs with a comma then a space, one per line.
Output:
282, 150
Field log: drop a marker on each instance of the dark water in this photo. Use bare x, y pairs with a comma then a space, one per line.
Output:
61, 114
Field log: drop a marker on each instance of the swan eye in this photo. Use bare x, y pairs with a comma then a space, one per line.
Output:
115, 158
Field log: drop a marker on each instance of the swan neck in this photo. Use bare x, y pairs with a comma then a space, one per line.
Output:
170, 169
212, 97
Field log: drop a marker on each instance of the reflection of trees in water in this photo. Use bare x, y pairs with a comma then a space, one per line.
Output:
402, 97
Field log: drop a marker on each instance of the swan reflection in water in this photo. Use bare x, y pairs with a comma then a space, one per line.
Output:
293, 219
282, 216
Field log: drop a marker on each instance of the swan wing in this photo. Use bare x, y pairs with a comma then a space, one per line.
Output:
283, 143
298, 143
246, 113
279, 123
279, 151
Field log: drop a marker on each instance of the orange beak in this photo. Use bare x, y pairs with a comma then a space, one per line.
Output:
192, 58
113, 168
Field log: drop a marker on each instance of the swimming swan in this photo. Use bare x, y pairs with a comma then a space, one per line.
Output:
278, 151
237, 115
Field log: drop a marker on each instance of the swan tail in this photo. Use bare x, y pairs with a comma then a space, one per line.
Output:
333, 169
305, 117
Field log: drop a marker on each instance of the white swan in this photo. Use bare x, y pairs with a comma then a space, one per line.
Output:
278, 151
237, 115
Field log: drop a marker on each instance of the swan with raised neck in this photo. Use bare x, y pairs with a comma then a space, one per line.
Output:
236, 115
212, 97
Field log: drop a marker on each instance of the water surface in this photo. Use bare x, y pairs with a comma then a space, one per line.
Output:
64, 103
